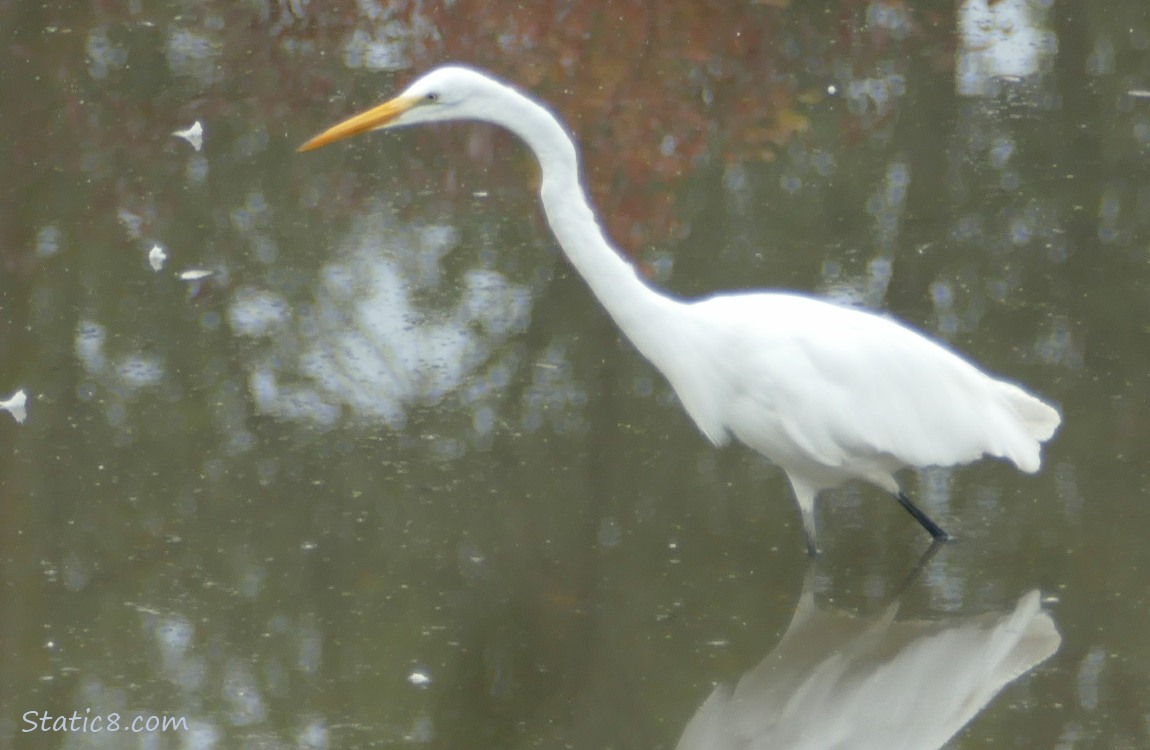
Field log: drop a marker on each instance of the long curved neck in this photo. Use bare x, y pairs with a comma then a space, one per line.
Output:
631, 303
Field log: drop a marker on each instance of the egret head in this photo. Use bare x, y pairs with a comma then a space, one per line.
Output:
447, 93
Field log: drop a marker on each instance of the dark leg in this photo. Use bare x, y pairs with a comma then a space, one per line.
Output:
922, 518
927, 556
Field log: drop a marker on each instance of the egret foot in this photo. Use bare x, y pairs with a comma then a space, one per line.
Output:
923, 519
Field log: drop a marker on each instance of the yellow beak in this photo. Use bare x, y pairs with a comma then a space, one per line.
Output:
373, 119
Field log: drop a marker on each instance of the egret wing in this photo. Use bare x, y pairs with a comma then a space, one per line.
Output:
841, 384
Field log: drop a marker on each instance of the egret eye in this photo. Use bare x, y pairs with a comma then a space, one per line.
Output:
431, 97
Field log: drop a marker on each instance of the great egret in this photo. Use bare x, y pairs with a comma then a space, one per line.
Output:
828, 393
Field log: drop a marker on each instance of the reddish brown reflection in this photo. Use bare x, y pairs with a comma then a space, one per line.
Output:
654, 91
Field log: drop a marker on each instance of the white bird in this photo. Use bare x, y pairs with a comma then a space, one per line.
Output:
828, 393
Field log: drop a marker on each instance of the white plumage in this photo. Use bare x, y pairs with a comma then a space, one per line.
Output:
828, 393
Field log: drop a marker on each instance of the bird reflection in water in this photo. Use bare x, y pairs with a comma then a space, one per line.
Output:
837, 681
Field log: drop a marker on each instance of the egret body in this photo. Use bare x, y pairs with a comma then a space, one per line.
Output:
828, 393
